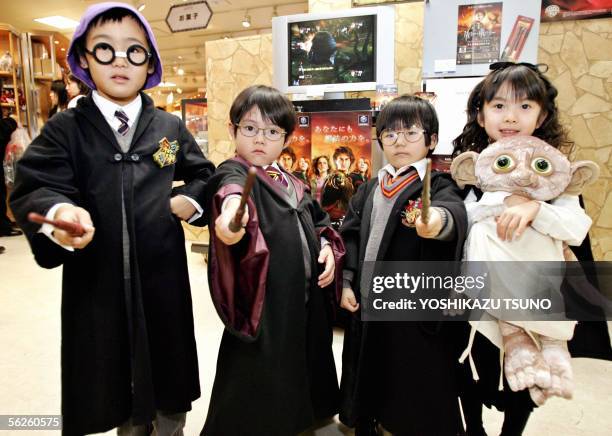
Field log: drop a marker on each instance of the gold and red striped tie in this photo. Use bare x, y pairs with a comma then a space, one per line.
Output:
277, 176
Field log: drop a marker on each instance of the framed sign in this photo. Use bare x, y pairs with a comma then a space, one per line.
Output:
189, 16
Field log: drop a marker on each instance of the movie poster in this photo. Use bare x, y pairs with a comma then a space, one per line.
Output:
479, 33
331, 130
559, 10
300, 141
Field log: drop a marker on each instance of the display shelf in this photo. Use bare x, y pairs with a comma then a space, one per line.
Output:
44, 61
11, 73
195, 116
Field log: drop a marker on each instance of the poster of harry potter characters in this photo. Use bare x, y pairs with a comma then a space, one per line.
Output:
331, 130
345, 139
321, 133
479, 33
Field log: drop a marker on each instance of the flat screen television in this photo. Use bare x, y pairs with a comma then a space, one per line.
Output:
337, 51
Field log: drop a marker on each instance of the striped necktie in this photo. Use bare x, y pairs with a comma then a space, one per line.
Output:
124, 127
277, 176
390, 186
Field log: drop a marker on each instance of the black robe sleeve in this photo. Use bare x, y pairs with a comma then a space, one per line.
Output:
351, 227
449, 196
324, 230
7, 127
189, 168
45, 177
591, 338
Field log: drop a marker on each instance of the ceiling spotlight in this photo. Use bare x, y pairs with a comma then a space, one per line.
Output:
62, 49
246, 21
141, 7
56, 41
180, 71
179, 90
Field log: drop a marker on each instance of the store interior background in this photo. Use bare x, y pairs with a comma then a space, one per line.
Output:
218, 63
223, 59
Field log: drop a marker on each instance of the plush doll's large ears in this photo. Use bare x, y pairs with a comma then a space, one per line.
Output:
584, 172
463, 169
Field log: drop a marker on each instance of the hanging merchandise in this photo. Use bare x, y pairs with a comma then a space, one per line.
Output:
14, 150
478, 33
6, 62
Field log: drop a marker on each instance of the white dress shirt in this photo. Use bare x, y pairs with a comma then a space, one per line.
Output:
420, 166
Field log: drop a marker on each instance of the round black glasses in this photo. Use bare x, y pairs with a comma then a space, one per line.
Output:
105, 54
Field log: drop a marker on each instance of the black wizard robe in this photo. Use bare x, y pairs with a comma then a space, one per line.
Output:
128, 346
275, 370
401, 374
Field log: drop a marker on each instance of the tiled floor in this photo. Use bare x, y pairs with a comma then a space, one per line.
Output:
30, 344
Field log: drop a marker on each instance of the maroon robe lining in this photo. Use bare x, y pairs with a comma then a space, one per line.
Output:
239, 295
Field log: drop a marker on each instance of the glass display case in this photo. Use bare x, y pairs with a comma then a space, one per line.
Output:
12, 89
195, 116
42, 52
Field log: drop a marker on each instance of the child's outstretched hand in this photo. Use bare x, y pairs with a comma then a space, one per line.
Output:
519, 214
326, 257
348, 300
74, 214
222, 222
181, 207
433, 226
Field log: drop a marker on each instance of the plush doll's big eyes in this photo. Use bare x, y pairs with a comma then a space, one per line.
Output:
503, 164
542, 166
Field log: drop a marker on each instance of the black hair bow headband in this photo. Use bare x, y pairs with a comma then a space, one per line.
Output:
538, 68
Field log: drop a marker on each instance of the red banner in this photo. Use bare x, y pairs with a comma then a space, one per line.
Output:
560, 10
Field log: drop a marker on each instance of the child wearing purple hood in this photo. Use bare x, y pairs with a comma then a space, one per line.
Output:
128, 348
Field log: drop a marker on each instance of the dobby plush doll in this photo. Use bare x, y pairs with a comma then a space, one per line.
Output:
535, 352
